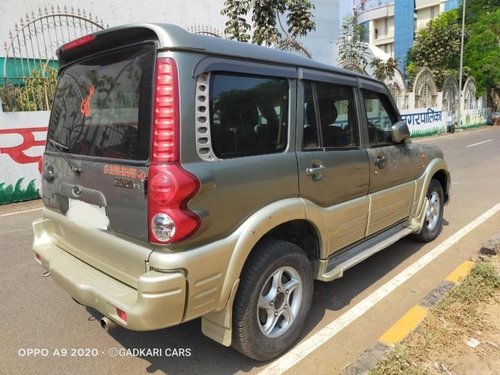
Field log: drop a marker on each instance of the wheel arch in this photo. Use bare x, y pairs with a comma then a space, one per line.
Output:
278, 221
300, 232
437, 169
443, 177
281, 220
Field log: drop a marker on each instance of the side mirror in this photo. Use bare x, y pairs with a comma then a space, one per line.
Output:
400, 132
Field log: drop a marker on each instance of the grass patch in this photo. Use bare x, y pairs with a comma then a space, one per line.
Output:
16, 193
473, 126
444, 332
476, 125
427, 133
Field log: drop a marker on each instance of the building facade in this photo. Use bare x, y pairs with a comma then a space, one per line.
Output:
392, 24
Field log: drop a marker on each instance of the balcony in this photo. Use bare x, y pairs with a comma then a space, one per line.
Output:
421, 4
370, 4
374, 13
383, 39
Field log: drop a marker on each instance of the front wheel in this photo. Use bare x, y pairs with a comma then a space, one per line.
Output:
433, 222
273, 300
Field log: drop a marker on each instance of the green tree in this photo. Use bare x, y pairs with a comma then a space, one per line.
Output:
477, 8
352, 51
267, 18
384, 70
36, 93
482, 52
437, 47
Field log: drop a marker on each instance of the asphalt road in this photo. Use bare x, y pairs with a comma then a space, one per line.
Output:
44, 331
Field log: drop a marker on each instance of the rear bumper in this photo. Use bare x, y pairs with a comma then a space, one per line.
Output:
158, 301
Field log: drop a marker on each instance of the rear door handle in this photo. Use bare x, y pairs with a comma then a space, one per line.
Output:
49, 174
315, 170
380, 161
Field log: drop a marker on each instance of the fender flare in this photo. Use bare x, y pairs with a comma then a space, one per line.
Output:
217, 325
435, 166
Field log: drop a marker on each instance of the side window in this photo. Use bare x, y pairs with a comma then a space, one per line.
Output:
248, 114
381, 117
337, 115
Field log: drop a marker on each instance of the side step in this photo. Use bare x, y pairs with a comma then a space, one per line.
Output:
334, 267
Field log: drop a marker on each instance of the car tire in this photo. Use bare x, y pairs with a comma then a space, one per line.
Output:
433, 221
273, 299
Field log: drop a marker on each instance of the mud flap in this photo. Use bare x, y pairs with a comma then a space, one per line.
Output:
219, 325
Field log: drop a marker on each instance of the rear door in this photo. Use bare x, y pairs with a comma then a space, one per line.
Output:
95, 163
248, 164
333, 167
393, 166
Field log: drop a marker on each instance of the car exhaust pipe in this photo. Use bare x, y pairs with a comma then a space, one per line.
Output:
107, 324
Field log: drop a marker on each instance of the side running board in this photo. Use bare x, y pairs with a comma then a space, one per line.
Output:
334, 267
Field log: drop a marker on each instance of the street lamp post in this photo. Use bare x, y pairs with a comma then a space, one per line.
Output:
459, 108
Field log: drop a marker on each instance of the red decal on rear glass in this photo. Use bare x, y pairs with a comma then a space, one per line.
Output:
85, 106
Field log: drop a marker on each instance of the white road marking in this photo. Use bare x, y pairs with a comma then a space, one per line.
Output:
478, 143
15, 231
433, 138
309, 345
21, 212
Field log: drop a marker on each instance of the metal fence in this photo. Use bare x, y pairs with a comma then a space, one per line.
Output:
30, 63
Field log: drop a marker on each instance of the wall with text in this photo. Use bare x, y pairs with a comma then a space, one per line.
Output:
22, 141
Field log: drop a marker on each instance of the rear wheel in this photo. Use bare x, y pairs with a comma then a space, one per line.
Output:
273, 299
433, 222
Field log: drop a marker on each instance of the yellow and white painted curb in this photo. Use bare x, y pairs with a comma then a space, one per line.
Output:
408, 322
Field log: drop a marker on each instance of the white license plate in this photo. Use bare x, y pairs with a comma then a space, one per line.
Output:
87, 215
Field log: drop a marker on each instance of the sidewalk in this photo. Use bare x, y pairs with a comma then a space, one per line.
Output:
20, 206
458, 132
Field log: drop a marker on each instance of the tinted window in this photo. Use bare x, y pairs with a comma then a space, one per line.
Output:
337, 115
249, 115
381, 117
102, 105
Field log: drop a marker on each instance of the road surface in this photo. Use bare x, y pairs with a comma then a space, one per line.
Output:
43, 331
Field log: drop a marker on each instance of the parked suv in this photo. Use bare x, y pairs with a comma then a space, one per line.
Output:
188, 176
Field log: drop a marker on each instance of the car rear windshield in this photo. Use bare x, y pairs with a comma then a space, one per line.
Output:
102, 105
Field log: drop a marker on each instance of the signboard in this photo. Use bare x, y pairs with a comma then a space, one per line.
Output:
425, 121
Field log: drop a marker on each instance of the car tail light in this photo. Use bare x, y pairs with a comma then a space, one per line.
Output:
86, 39
170, 186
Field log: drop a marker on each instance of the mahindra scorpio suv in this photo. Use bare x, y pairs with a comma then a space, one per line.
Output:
188, 176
